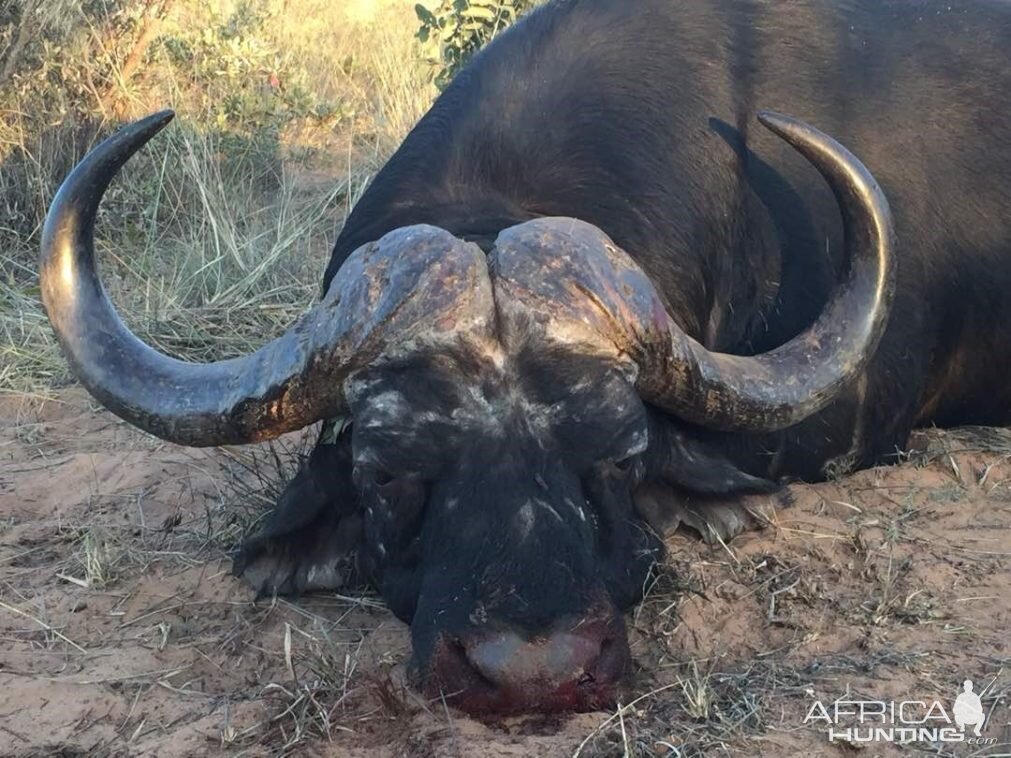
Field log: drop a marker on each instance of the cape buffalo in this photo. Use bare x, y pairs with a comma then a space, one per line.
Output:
587, 287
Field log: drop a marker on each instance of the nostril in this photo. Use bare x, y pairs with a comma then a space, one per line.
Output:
576, 667
599, 665
557, 660
607, 650
501, 659
459, 650
452, 670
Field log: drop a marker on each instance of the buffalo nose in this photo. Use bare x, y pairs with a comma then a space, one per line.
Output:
572, 669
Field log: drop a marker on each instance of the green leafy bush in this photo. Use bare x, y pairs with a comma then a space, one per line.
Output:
242, 78
454, 30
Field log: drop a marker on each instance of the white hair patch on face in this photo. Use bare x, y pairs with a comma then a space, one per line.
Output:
323, 576
578, 509
490, 416
640, 442
538, 416
550, 509
388, 403
525, 520
383, 407
478, 413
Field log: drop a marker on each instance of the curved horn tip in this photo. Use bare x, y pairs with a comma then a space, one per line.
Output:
831, 158
781, 124
90, 178
161, 117
131, 137
151, 125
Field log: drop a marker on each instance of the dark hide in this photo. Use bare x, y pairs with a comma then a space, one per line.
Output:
638, 116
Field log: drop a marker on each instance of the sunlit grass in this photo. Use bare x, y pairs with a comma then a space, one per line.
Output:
212, 242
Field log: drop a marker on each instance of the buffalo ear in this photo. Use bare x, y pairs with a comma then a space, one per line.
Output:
692, 484
309, 539
323, 483
678, 459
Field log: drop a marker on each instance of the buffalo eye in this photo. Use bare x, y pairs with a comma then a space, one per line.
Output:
622, 468
380, 479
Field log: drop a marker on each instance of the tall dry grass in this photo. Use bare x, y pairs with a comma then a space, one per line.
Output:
215, 237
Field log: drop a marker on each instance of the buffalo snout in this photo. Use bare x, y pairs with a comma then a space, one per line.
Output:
575, 666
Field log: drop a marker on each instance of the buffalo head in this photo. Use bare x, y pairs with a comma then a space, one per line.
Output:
500, 408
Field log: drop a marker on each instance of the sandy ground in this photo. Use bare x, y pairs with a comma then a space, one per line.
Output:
123, 633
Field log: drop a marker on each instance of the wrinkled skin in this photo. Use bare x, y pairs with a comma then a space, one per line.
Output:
513, 462
458, 509
467, 471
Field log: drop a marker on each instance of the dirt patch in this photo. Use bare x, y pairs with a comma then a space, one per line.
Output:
123, 633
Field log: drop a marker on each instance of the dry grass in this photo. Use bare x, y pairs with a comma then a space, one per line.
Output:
211, 240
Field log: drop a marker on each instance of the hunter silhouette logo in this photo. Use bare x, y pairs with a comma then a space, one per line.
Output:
852, 720
968, 709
